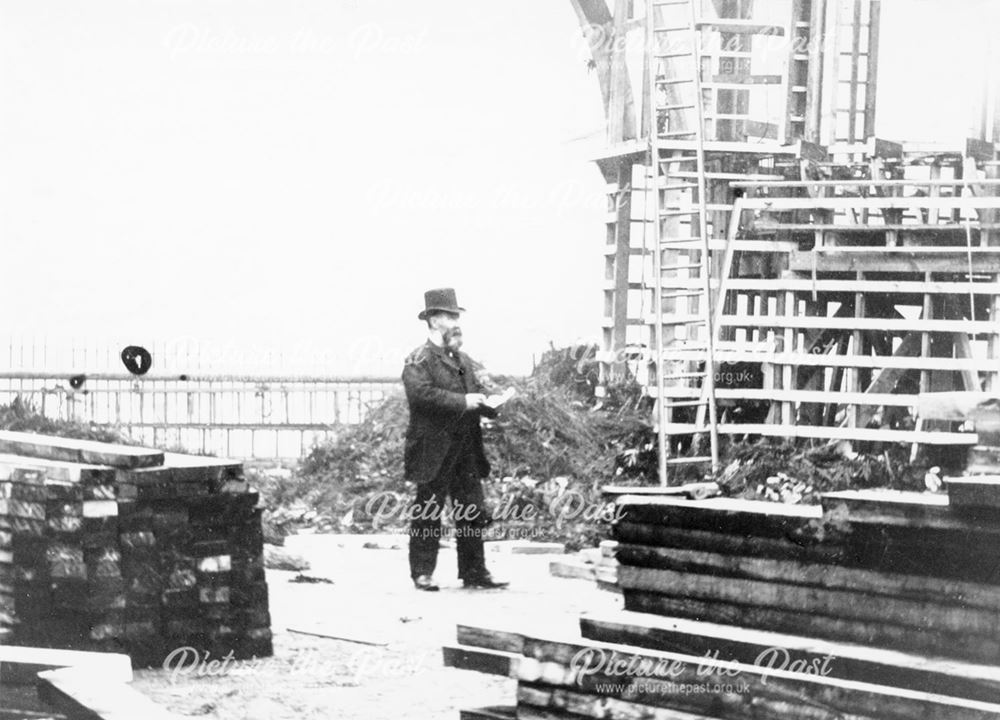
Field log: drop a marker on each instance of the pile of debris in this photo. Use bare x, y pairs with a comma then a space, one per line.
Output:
126, 549
790, 473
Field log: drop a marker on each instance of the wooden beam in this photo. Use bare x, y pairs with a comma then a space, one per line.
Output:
888, 378
832, 397
745, 27
807, 261
623, 245
83, 451
491, 662
849, 323
963, 349
886, 636
867, 361
867, 285
725, 539
871, 78
814, 85
555, 665
852, 117
820, 432
905, 508
853, 662
830, 60
493, 712
620, 113
598, 29
882, 586
871, 203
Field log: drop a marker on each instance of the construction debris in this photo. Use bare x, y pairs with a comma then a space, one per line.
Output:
125, 549
277, 558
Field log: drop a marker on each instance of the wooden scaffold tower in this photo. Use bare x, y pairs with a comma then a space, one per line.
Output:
773, 268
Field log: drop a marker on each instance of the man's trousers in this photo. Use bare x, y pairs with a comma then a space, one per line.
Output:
456, 479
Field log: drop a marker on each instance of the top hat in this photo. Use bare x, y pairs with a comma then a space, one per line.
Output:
439, 300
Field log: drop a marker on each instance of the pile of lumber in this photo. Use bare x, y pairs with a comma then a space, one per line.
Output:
125, 549
877, 604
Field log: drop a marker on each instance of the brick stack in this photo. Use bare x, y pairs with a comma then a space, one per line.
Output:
129, 549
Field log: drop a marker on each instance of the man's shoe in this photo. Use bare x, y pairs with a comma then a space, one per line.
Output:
486, 582
424, 582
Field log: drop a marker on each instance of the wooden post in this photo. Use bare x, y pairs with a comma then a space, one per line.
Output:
853, 374
852, 120
993, 344
618, 124
814, 89
830, 82
786, 306
623, 250
871, 80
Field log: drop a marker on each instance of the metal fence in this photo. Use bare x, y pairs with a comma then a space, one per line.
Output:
241, 415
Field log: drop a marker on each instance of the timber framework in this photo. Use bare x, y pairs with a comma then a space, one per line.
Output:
772, 267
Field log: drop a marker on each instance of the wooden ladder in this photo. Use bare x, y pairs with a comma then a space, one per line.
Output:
672, 96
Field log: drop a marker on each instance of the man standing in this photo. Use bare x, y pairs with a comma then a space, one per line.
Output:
444, 446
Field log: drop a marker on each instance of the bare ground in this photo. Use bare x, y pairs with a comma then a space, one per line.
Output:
372, 599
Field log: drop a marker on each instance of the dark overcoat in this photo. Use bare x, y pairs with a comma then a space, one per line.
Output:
436, 384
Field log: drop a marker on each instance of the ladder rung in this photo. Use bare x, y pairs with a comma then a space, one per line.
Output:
686, 351
693, 321
683, 376
678, 186
686, 293
665, 3
687, 266
675, 81
685, 403
667, 56
686, 429
688, 460
676, 28
677, 133
675, 107
682, 241
673, 213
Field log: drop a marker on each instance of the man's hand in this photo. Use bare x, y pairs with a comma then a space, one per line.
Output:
474, 400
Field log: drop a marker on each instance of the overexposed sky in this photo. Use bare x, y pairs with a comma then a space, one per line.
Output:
298, 172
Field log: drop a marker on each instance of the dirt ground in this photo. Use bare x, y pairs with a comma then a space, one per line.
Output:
372, 598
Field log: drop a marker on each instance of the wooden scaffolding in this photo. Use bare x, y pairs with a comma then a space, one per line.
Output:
773, 268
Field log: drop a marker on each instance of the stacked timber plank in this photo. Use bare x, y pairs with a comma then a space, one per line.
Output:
901, 571
878, 604
116, 548
597, 564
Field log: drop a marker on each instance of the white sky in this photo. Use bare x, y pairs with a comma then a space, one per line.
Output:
299, 172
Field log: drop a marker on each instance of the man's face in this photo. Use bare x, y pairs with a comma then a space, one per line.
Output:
447, 325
